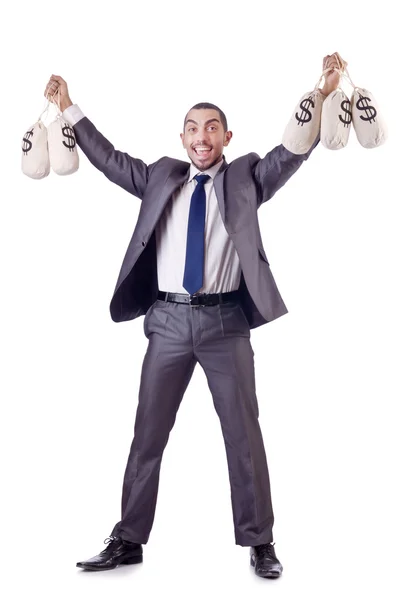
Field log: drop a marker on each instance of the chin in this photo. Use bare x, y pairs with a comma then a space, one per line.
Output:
203, 166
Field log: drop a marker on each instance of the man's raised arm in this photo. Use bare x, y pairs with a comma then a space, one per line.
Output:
130, 173
274, 170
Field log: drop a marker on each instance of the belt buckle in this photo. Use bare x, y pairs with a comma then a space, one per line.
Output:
192, 297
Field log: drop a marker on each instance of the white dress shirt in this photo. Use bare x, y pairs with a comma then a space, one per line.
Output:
222, 269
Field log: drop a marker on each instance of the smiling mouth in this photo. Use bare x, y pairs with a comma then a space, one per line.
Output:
202, 152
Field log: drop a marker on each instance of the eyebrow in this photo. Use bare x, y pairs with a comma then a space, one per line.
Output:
206, 123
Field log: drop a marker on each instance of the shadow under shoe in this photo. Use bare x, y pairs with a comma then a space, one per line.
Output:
118, 552
265, 561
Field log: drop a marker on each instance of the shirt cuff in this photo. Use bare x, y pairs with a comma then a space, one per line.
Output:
72, 114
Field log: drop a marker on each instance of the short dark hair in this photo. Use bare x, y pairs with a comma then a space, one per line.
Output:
209, 105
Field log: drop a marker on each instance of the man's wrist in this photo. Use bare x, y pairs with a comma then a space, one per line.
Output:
64, 104
73, 114
324, 91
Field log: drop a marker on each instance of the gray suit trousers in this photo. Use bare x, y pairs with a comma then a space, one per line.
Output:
218, 337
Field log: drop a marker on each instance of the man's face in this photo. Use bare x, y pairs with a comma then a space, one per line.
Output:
204, 137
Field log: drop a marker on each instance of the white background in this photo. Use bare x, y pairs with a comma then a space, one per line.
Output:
325, 372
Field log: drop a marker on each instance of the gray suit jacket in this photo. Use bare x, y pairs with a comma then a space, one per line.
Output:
241, 187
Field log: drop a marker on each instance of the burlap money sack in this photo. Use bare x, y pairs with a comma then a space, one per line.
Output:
35, 157
62, 147
336, 120
304, 124
367, 120
362, 111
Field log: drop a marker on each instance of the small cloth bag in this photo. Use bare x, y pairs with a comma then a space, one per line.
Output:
35, 157
336, 120
367, 120
361, 110
336, 116
62, 146
304, 125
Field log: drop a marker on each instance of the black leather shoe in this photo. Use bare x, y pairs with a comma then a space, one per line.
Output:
118, 552
265, 561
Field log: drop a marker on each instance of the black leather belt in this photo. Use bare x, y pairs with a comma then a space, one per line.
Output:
200, 299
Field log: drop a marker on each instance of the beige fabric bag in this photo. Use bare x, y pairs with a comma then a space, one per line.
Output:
336, 120
367, 119
333, 117
35, 158
304, 124
62, 146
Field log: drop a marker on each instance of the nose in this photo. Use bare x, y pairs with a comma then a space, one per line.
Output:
201, 139
201, 135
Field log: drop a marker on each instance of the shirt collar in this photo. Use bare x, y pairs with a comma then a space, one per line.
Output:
211, 172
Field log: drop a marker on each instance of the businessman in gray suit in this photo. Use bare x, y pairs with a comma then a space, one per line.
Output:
197, 270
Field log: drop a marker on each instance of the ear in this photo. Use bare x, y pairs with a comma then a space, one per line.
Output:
182, 136
228, 137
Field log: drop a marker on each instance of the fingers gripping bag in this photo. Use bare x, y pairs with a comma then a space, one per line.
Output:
35, 157
336, 117
304, 125
62, 146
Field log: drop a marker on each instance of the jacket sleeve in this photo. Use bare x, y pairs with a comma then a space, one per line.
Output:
274, 170
130, 173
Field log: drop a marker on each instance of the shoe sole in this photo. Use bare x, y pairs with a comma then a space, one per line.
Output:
269, 575
129, 561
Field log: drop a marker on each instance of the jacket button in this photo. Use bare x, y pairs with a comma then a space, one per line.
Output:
143, 243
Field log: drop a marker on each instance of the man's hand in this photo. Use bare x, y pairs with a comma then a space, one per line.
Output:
57, 90
332, 78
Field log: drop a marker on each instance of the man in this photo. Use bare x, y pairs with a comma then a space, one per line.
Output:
196, 268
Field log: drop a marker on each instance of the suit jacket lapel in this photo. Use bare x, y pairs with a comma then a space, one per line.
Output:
218, 185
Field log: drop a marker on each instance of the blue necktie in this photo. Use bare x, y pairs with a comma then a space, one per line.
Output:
194, 264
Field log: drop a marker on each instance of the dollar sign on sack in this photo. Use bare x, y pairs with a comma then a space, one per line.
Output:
370, 111
27, 144
71, 137
305, 118
346, 105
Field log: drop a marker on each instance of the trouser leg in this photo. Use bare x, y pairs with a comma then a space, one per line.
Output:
166, 371
222, 347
